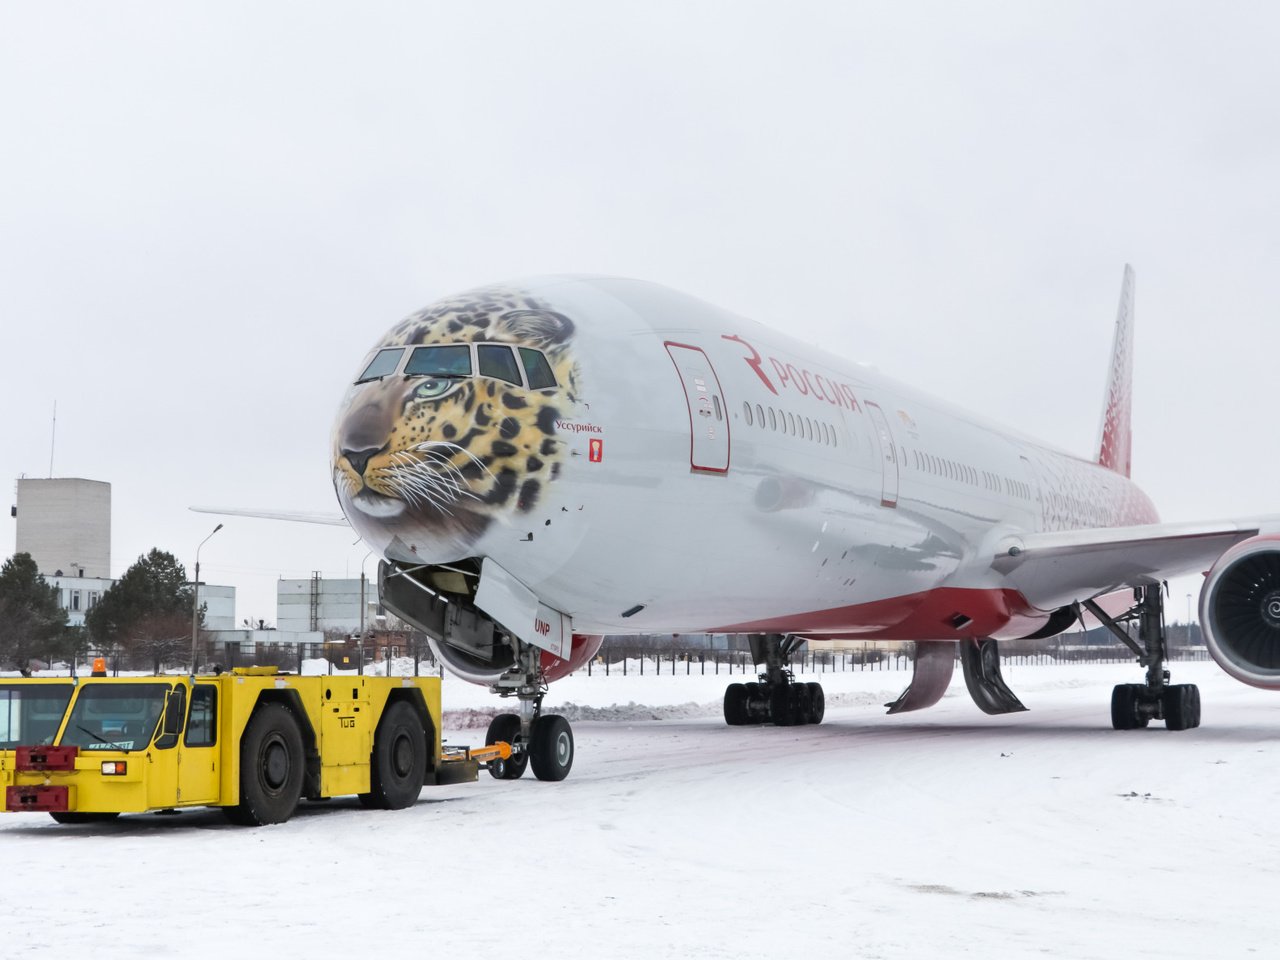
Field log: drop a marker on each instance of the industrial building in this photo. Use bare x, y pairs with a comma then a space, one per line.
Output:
320, 604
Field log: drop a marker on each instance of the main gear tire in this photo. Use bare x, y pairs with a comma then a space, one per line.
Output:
817, 703
1125, 712
735, 705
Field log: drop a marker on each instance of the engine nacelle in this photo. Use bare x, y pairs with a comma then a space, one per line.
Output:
1240, 612
486, 670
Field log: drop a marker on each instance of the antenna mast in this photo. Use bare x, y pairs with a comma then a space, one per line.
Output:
53, 439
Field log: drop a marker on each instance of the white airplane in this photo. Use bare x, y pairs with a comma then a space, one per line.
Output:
544, 462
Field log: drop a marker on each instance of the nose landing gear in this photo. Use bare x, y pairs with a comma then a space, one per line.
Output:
541, 740
777, 697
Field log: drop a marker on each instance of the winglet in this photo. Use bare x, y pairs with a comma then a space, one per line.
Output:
1115, 438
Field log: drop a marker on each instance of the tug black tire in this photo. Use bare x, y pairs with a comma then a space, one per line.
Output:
505, 728
399, 761
272, 768
551, 748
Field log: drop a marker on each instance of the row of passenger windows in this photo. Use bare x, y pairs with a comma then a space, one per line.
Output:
782, 421
458, 360
962, 472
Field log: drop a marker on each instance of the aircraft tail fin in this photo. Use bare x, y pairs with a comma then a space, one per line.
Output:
1115, 437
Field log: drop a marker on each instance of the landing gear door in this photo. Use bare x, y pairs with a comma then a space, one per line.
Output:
708, 415
888, 457
515, 606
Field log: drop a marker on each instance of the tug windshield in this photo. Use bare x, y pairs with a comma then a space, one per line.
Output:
30, 714
117, 716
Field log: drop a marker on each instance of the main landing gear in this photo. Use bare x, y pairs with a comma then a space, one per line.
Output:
1135, 705
543, 741
778, 697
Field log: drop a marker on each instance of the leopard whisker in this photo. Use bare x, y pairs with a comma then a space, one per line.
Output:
417, 487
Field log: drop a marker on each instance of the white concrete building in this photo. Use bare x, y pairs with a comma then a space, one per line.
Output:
65, 524
79, 595
220, 606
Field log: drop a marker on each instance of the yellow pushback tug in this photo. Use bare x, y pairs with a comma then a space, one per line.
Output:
253, 742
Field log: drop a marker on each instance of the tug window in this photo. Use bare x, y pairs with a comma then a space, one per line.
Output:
452, 361
497, 361
537, 369
202, 728
381, 365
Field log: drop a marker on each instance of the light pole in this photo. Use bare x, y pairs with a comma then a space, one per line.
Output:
195, 602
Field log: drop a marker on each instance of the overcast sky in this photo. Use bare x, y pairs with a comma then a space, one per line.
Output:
209, 212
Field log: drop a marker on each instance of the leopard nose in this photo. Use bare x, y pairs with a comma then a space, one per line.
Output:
359, 459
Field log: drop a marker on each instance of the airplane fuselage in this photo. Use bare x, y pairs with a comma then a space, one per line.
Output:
713, 475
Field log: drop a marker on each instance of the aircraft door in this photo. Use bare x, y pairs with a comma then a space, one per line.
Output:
708, 413
888, 457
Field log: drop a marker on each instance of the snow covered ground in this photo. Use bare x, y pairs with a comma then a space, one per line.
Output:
939, 833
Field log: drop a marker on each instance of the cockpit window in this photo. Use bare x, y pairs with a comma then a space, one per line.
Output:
537, 369
497, 361
451, 361
383, 364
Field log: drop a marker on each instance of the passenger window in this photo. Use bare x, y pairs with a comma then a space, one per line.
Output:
381, 365
451, 361
537, 369
499, 362
791, 423
746, 413
715, 400
202, 727
773, 420
760, 415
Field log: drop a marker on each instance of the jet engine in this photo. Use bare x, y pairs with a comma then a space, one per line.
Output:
1240, 612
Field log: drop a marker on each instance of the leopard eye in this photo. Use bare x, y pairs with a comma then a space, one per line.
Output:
433, 388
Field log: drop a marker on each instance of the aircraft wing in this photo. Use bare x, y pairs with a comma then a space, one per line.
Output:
1054, 569
296, 516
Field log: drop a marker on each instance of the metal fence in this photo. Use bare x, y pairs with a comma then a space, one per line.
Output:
730, 662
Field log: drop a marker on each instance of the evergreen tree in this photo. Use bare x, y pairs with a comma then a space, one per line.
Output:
147, 613
31, 620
